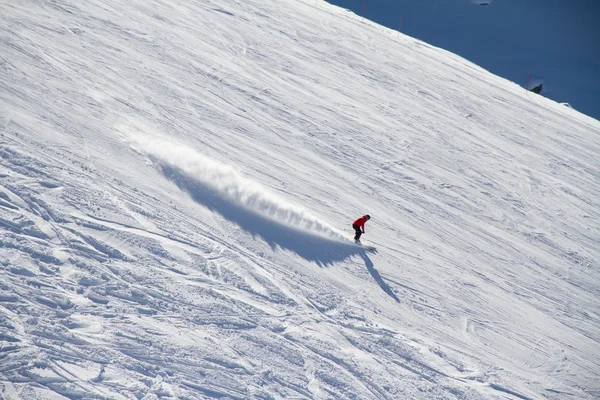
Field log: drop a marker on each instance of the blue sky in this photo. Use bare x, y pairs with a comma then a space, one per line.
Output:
557, 41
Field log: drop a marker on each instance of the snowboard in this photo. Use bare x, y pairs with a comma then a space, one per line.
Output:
365, 246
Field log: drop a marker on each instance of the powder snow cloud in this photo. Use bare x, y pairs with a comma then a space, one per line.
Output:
231, 184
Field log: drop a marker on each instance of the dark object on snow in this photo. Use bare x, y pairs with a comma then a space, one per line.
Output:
537, 89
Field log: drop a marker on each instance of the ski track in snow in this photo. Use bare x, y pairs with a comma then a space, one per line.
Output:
137, 261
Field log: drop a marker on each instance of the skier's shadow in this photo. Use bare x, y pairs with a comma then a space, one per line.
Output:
371, 268
307, 245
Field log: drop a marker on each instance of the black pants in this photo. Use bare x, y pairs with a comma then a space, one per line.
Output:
358, 232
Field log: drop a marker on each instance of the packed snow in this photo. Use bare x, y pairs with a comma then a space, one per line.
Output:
178, 184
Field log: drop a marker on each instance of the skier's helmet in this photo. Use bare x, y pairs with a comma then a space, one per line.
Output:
368, 216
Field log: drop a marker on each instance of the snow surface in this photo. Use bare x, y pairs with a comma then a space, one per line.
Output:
178, 184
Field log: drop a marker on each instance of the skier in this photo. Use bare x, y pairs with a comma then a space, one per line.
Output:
359, 226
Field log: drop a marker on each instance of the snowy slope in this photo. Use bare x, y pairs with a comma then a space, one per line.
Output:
554, 42
178, 181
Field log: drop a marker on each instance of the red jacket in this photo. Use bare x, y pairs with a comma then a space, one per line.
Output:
361, 222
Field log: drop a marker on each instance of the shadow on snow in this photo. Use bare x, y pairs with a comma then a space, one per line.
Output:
307, 245
375, 274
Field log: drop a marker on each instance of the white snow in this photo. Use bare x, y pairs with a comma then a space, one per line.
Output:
176, 177
229, 184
